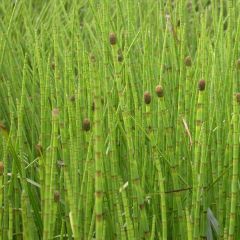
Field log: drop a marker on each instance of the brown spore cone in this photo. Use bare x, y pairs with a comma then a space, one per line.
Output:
188, 61
1, 168
93, 106
147, 97
159, 91
72, 98
202, 85
53, 66
120, 55
238, 64
86, 125
55, 112
39, 149
120, 58
56, 196
238, 97
112, 38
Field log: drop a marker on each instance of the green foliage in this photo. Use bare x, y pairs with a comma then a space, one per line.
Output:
107, 128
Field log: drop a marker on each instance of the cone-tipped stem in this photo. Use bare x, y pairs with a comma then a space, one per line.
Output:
112, 38
159, 91
86, 125
147, 97
201, 85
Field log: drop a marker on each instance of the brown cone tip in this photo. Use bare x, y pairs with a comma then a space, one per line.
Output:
188, 61
238, 97
56, 196
112, 38
120, 57
2, 126
93, 106
147, 98
159, 91
238, 64
39, 148
92, 58
55, 112
201, 85
72, 98
86, 125
53, 66
1, 168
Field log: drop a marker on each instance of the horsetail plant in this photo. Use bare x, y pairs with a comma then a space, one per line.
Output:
232, 217
107, 128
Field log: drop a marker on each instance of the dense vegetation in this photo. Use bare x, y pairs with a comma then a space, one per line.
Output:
119, 119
